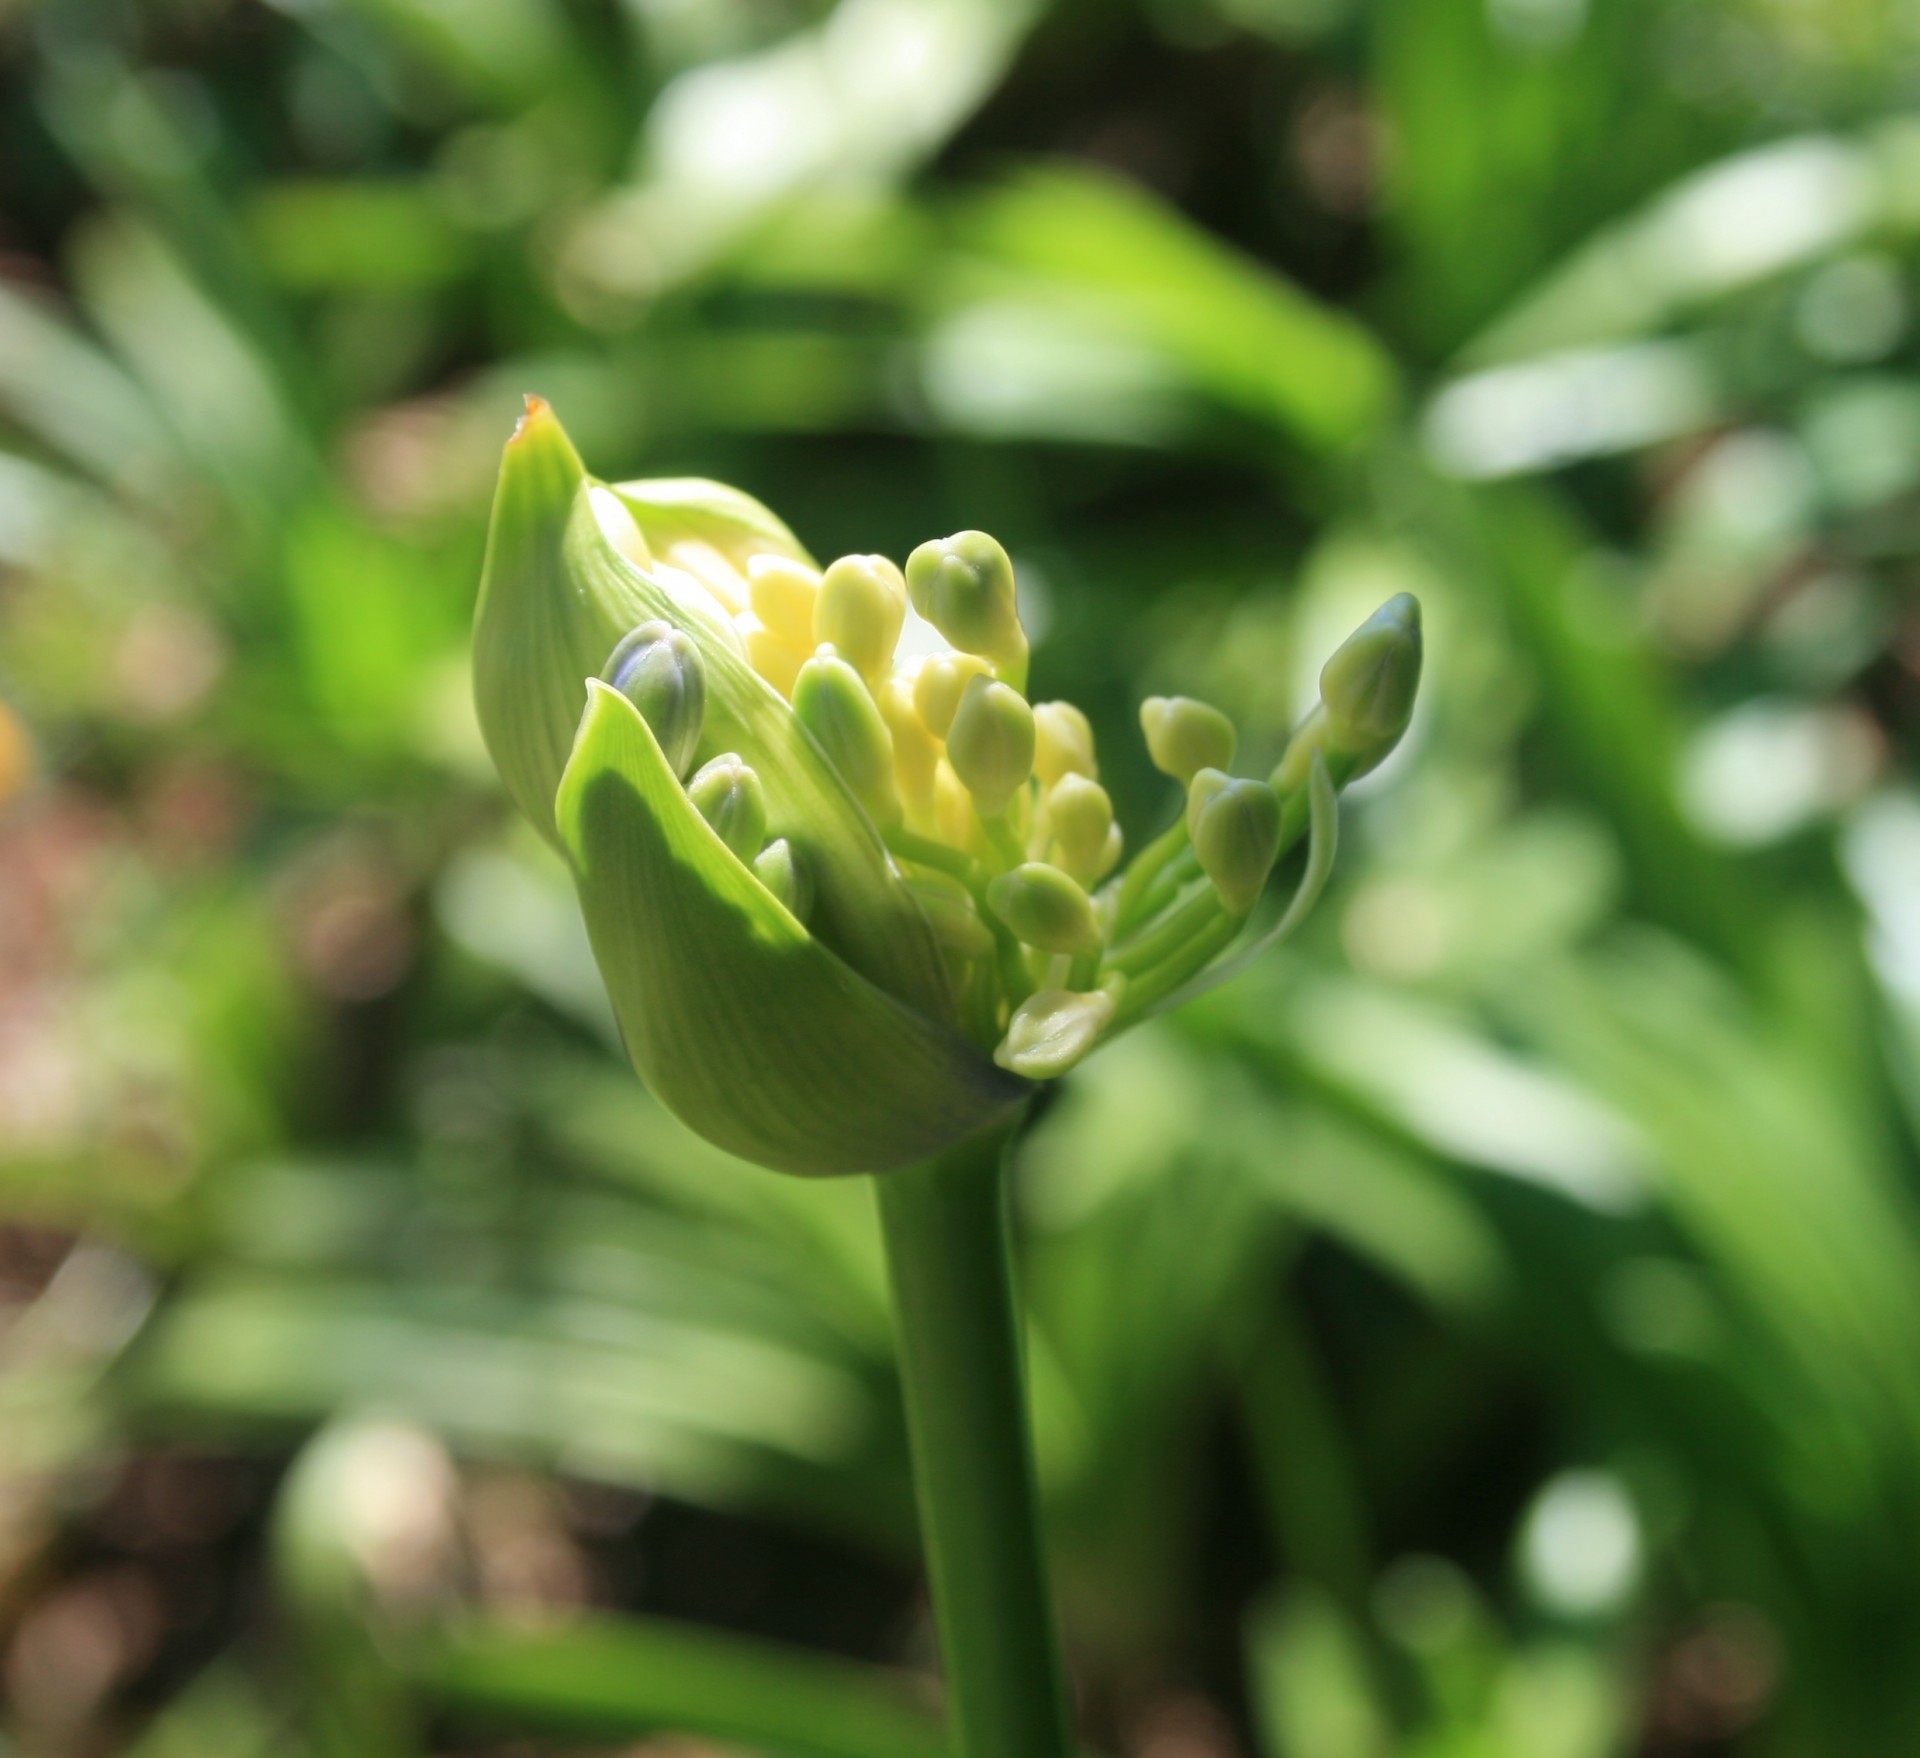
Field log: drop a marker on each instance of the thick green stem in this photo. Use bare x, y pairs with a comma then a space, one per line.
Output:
960, 1363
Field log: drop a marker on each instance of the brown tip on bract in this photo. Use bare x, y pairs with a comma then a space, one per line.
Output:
537, 407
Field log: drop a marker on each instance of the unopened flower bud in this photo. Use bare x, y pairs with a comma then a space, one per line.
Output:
832, 703
963, 585
1080, 818
1185, 736
770, 656
860, 611
949, 908
953, 812
916, 752
659, 670
1369, 683
1045, 909
782, 593
729, 796
1236, 834
990, 743
1063, 742
783, 873
1052, 1030
939, 684
1201, 789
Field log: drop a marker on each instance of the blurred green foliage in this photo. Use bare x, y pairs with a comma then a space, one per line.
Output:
1486, 1331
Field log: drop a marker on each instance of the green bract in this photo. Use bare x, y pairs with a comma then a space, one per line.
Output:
850, 907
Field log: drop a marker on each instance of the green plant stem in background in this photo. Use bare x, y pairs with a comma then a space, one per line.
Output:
960, 1362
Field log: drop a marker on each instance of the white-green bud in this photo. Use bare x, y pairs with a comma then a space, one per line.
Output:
1045, 909
1080, 820
783, 873
729, 796
1236, 835
1185, 736
964, 586
990, 743
1050, 1031
860, 609
832, 703
1369, 683
1063, 742
939, 684
659, 670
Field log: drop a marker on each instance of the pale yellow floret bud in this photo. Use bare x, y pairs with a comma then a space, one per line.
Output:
990, 744
729, 796
831, 701
783, 592
939, 684
953, 812
1185, 736
1063, 742
706, 564
770, 656
916, 752
1080, 821
1045, 909
964, 586
1236, 834
861, 609
783, 873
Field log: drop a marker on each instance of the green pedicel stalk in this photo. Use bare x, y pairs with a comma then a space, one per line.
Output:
852, 910
961, 1373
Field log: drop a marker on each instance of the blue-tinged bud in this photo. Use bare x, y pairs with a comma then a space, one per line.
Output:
990, 744
1045, 909
832, 703
729, 796
784, 873
1185, 736
1236, 835
658, 669
964, 586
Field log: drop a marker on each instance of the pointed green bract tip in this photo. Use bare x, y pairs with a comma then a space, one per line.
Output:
1370, 682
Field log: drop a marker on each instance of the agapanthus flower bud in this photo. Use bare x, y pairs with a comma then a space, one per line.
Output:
832, 703
728, 794
784, 873
1063, 743
783, 593
940, 683
809, 977
1045, 909
1367, 691
1185, 736
964, 586
1052, 1030
1080, 821
659, 670
990, 743
1236, 836
860, 609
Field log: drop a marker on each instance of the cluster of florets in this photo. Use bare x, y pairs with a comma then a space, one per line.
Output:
991, 806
